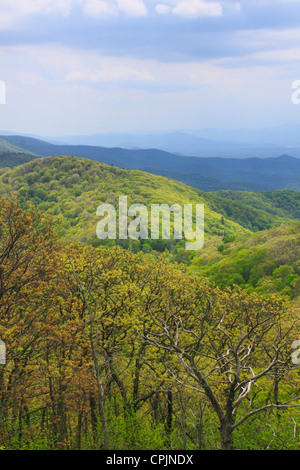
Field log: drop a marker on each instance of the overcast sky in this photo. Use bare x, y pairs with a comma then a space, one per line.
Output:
89, 66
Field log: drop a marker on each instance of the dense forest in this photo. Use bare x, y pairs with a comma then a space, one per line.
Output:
10, 160
144, 345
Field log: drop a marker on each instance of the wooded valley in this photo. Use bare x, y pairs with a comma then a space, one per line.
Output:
140, 344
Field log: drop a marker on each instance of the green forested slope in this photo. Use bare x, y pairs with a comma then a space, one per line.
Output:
72, 189
7, 146
282, 203
110, 350
250, 216
66, 309
268, 261
11, 159
82, 184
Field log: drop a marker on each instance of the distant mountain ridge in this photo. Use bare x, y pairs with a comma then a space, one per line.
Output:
207, 174
205, 143
12, 159
6, 146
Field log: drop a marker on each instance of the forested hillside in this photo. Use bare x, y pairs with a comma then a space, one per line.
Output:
265, 262
73, 188
143, 345
7, 146
149, 230
278, 203
11, 159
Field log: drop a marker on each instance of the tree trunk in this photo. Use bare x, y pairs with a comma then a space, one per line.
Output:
62, 417
226, 434
101, 405
169, 418
2, 397
155, 407
94, 417
79, 430
200, 428
97, 371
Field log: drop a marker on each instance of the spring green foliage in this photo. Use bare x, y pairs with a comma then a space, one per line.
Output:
267, 261
256, 217
72, 188
99, 343
6, 146
9, 160
280, 203
129, 349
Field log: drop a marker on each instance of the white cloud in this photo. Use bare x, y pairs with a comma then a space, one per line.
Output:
280, 55
191, 8
99, 8
36, 6
132, 7
109, 73
69, 66
85, 91
90, 69
56, 65
162, 9
13, 11
102, 8
234, 7
197, 8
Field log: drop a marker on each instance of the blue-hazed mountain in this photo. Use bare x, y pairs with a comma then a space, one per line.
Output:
208, 174
234, 143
